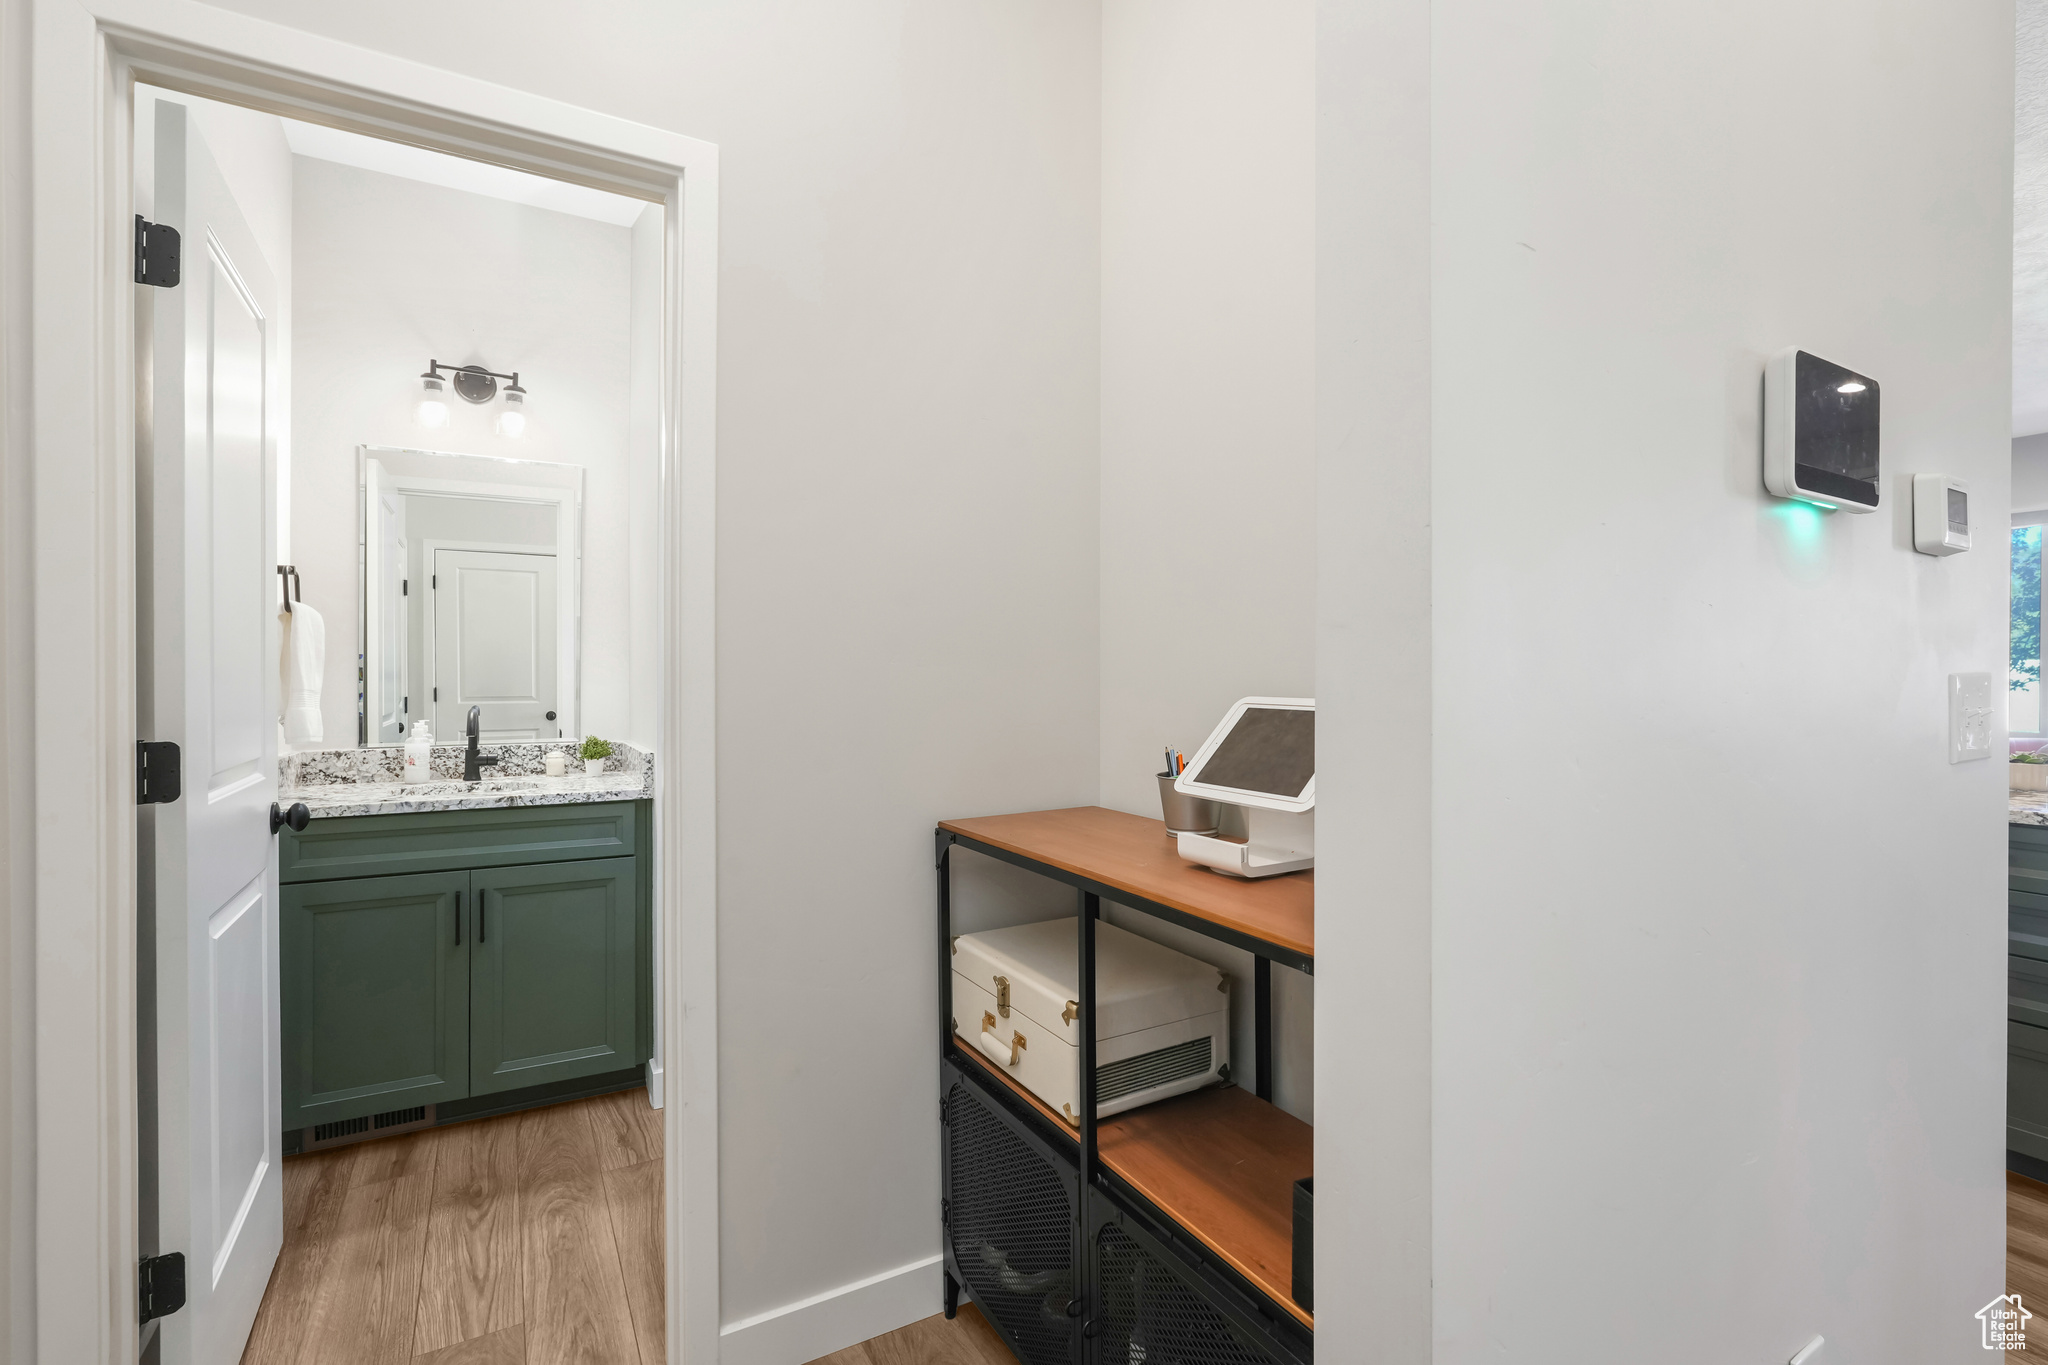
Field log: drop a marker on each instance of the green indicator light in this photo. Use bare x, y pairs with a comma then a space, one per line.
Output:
1802, 522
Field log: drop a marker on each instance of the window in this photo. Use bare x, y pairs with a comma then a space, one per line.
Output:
2023, 679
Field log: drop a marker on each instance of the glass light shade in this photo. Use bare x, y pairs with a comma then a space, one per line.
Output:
512, 421
433, 410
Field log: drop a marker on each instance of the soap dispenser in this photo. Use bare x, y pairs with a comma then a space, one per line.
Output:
419, 753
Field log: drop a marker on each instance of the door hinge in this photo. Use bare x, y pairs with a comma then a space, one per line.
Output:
161, 1285
434, 581
437, 694
405, 706
156, 254
158, 771
405, 587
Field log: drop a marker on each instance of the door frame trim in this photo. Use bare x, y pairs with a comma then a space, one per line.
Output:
68, 613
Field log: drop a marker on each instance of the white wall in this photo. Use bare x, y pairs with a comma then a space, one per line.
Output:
17, 715
2030, 473
1375, 703
394, 273
907, 535
1208, 452
1718, 1025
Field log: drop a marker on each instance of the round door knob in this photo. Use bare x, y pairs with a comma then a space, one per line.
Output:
298, 817
551, 715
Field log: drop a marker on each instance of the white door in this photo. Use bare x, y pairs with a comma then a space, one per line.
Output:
209, 603
387, 598
494, 644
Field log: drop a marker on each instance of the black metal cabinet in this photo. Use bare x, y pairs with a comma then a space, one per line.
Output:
1068, 1263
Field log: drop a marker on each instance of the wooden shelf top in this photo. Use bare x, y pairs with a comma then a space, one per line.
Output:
1220, 1162
1132, 853
972, 1054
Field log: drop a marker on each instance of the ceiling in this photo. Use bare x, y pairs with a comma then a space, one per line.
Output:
2030, 224
456, 173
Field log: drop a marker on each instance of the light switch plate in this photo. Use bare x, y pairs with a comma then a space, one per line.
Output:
1969, 716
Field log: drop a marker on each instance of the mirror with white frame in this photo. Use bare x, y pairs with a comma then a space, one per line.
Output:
470, 578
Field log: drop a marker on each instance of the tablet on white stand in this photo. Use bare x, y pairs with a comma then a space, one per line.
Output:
1262, 758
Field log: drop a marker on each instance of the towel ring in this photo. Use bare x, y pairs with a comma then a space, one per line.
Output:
292, 588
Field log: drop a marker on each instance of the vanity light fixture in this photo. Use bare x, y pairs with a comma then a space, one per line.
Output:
473, 384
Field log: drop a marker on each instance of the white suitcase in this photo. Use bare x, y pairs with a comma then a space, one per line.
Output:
1165, 1017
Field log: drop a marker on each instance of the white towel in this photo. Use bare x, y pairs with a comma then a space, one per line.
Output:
305, 659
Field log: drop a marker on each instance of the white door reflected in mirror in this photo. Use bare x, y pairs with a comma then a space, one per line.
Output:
494, 644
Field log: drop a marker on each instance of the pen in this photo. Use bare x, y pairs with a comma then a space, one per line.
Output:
1171, 771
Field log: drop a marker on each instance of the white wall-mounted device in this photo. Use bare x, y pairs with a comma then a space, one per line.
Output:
1262, 757
1941, 515
1820, 432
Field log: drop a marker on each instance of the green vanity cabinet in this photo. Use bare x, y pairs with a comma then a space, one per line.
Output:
2026, 997
375, 994
551, 975
525, 967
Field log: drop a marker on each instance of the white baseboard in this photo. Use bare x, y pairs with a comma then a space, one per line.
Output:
800, 1332
653, 1083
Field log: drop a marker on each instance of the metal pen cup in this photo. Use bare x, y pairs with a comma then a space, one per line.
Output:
1186, 814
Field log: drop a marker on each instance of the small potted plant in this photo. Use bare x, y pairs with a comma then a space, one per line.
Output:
2028, 772
595, 751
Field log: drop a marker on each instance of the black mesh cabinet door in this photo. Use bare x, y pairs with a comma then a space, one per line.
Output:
1011, 1224
1154, 1309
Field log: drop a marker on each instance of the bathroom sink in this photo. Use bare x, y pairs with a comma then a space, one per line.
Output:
342, 782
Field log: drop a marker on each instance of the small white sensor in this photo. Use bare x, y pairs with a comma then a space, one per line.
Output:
1941, 515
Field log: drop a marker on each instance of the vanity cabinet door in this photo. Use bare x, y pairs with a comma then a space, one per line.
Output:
553, 980
375, 989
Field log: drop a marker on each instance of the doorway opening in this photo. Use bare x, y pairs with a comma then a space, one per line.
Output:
303, 1002
93, 361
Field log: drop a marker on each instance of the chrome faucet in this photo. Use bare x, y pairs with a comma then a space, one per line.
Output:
474, 763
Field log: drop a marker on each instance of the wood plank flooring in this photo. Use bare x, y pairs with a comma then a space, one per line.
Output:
527, 1239
966, 1340
535, 1238
2026, 1238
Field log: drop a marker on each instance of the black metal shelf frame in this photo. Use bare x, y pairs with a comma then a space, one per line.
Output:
1105, 1201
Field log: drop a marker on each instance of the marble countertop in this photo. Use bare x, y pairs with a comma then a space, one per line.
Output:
338, 782
2027, 808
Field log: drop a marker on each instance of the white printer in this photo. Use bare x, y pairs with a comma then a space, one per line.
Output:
1165, 1017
